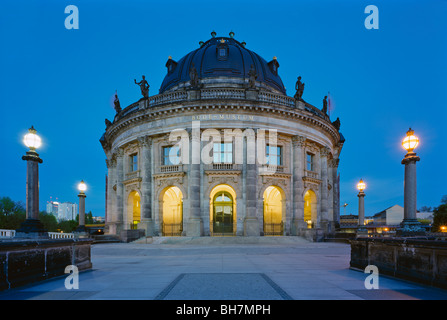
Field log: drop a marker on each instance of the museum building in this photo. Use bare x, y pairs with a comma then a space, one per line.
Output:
222, 151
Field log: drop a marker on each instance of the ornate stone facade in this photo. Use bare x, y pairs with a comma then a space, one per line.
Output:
168, 176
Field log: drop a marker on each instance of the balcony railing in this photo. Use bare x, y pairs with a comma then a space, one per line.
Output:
171, 168
133, 175
311, 174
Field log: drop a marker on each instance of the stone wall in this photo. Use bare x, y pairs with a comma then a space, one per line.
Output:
419, 260
27, 261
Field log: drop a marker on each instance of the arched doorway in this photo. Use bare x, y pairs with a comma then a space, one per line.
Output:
273, 211
222, 211
134, 209
310, 208
172, 212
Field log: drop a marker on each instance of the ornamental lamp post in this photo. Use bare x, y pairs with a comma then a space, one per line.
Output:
32, 228
82, 187
410, 225
361, 186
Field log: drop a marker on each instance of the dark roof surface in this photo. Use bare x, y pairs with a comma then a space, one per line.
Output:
236, 64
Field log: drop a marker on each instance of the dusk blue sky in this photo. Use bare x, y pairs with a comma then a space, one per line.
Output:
382, 82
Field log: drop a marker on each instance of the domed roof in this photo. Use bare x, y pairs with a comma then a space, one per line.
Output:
223, 57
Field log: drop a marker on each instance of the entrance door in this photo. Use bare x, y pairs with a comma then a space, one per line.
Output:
223, 213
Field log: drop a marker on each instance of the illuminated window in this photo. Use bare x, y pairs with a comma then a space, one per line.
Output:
171, 155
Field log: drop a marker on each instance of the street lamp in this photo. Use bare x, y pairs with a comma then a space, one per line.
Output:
32, 227
361, 186
82, 187
410, 225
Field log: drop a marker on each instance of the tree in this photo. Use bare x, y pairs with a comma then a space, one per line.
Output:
440, 215
425, 209
12, 213
67, 226
48, 220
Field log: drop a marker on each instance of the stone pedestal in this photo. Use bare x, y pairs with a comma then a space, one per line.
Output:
194, 227
251, 94
148, 226
251, 227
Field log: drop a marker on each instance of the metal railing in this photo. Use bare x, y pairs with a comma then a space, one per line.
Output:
224, 229
273, 229
172, 229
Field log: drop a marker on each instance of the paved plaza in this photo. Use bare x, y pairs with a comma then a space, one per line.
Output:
286, 268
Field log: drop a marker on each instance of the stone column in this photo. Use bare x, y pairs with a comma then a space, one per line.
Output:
298, 185
145, 162
410, 225
335, 194
80, 230
251, 222
32, 228
324, 222
361, 196
194, 225
119, 191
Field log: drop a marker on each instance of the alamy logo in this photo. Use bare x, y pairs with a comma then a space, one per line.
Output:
72, 21
372, 281
72, 281
372, 21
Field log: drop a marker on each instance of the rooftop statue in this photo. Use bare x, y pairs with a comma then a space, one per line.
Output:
324, 105
116, 102
194, 76
108, 123
252, 77
299, 87
336, 124
144, 86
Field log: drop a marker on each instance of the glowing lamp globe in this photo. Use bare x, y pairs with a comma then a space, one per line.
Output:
82, 187
410, 142
31, 139
361, 185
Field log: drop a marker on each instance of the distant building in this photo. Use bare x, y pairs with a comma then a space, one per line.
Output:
98, 219
53, 208
391, 216
349, 222
67, 211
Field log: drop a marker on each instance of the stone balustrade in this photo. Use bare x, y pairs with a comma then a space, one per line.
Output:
171, 168
311, 174
60, 235
8, 234
220, 93
4, 233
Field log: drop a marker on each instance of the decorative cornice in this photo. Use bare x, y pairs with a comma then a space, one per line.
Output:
177, 108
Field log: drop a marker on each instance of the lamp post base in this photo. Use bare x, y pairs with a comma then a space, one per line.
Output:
31, 229
410, 228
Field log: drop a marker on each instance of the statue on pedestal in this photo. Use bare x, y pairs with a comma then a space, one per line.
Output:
108, 123
336, 124
299, 87
324, 105
144, 86
116, 102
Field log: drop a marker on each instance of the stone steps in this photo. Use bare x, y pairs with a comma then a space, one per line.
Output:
221, 240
